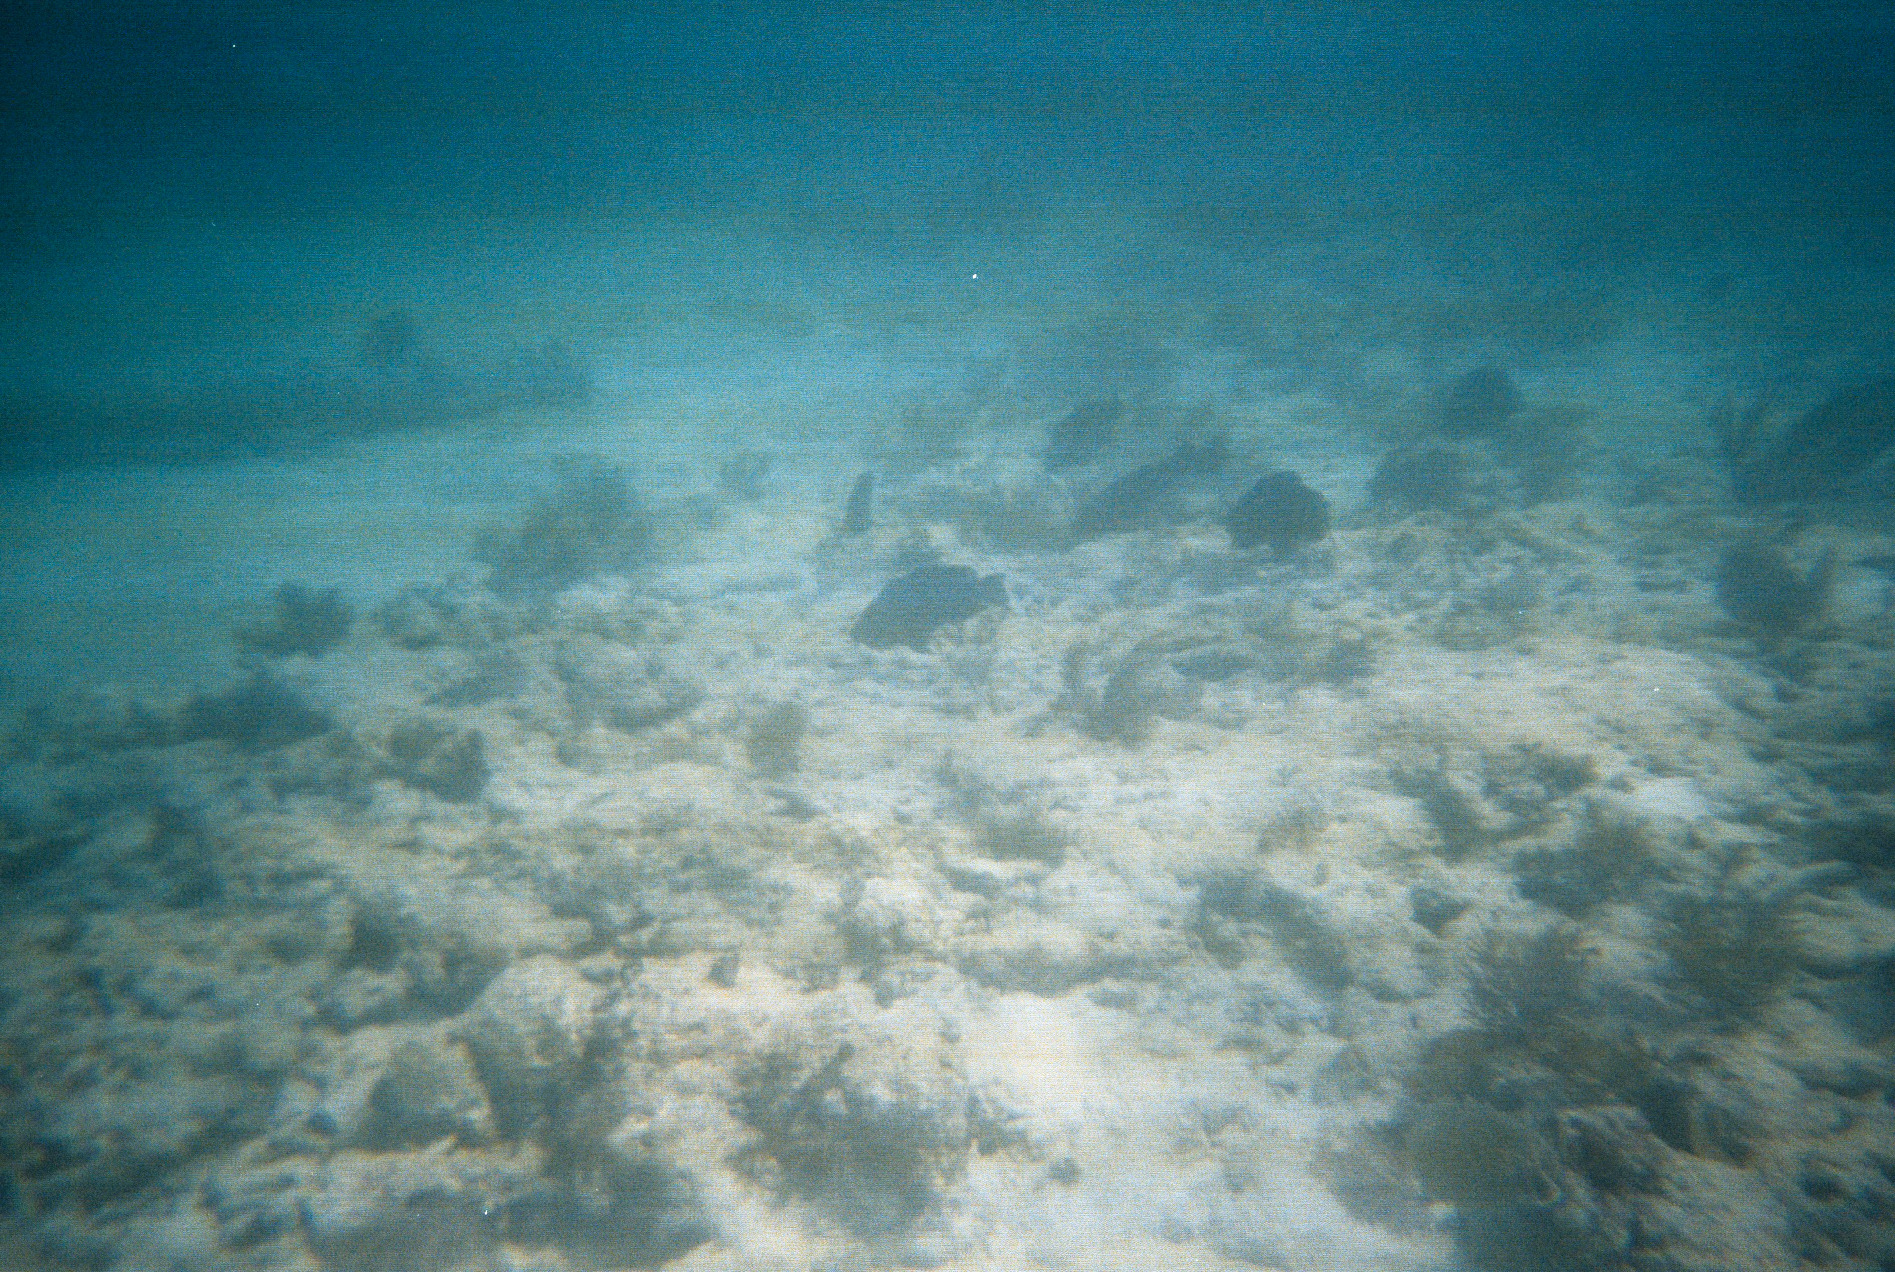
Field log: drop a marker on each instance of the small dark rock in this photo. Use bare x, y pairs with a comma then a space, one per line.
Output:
430, 757
909, 609
1477, 403
257, 716
1824, 452
1423, 478
1757, 587
1280, 510
794, 804
859, 515
1433, 908
1345, 662
1085, 431
302, 622
1215, 665
741, 476
1145, 497
723, 971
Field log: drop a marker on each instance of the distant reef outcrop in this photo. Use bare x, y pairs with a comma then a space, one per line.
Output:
391, 384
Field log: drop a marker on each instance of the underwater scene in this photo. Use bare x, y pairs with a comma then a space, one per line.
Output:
754, 638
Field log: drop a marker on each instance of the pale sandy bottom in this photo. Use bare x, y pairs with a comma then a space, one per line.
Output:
1456, 881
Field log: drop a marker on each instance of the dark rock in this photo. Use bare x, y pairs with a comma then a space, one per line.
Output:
433, 758
1822, 454
382, 1211
775, 743
591, 524
418, 617
859, 515
1453, 803
877, 1157
1424, 478
909, 609
428, 1091
1086, 430
1024, 836
1280, 510
1477, 403
610, 1207
741, 476
794, 804
494, 674
1215, 665
1610, 858
1757, 586
1736, 952
1139, 690
1345, 662
1525, 985
257, 716
1235, 909
1545, 451
623, 688
527, 1034
1434, 908
303, 622
723, 971
1143, 498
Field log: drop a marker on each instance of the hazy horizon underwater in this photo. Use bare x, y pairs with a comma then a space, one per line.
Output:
1072, 637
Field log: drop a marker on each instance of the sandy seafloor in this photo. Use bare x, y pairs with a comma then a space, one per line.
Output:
1466, 889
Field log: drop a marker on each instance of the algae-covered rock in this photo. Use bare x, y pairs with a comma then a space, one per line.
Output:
870, 1136
1826, 452
301, 622
262, 714
1281, 511
1145, 497
427, 1091
612, 684
1477, 402
1758, 587
432, 757
910, 609
590, 523
1235, 908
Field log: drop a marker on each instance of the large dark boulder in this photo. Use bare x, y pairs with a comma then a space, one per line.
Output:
1281, 511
